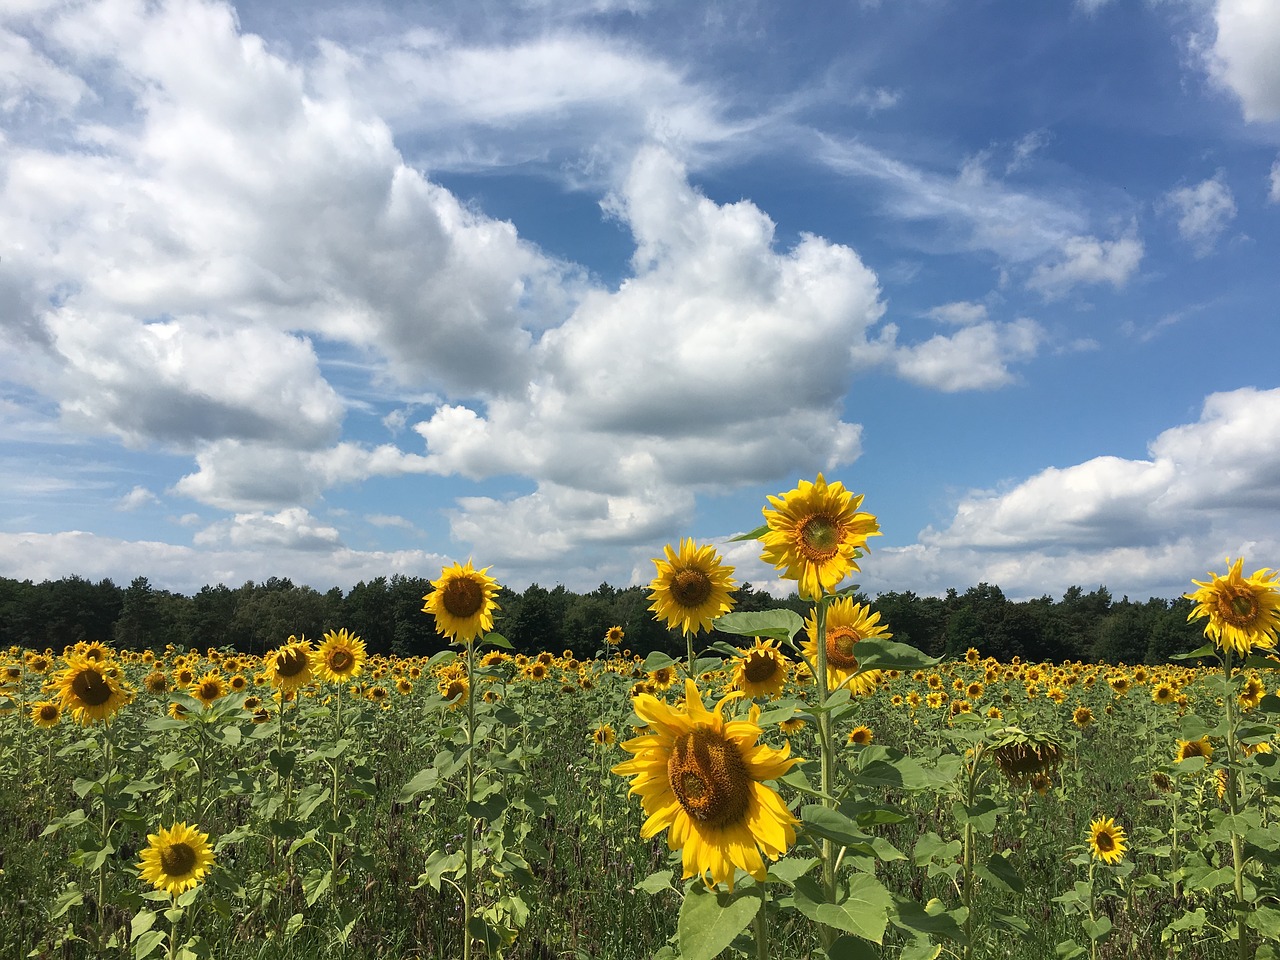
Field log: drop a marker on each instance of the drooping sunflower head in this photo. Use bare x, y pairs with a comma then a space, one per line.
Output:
176, 859
339, 658
846, 623
1243, 612
701, 778
91, 689
815, 534
1252, 692
289, 667
691, 588
463, 602
1106, 840
156, 682
761, 671
1194, 748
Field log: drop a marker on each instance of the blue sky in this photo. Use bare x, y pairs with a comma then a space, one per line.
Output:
336, 291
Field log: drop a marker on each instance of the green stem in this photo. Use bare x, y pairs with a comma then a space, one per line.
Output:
1233, 807
334, 763
761, 924
827, 934
468, 879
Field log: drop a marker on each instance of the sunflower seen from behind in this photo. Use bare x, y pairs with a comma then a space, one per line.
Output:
463, 602
339, 658
846, 624
815, 534
702, 778
176, 859
1243, 612
691, 588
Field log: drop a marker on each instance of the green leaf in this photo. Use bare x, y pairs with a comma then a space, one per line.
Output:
656, 882
845, 947
789, 869
876, 653
931, 918
930, 846
755, 534
1069, 950
497, 640
1001, 872
779, 625
1097, 929
834, 826
861, 906
1208, 650
656, 661
710, 919
145, 943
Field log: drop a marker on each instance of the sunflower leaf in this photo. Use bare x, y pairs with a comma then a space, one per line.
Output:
755, 534
876, 653
1206, 651
497, 640
861, 906
655, 661
773, 624
710, 919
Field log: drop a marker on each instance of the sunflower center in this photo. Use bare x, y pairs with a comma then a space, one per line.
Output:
48, 712
1238, 606
690, 587
759, 668
819, 538
290, 663
1105, 842
91, 688
463, 597
840, 641
177, 859
709, 778
340, 661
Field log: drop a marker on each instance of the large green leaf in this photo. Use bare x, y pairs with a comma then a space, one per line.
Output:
875, 653
861, 906
710, 919
779, 625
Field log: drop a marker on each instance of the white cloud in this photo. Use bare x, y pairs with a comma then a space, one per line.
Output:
293, 529
1025, 148
28, 78
960, 313
976, 357
136, 498
391, 520
1273, 193
1204, 212
1245, 55
1088, 260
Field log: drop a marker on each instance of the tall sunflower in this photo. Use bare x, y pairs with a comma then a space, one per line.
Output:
1106, 840
761, 671
701, 778
462, 602
691, 588
1243, 612
847, 623
210, 687
339, 658
815, 534
613, 636
91, 689
176, 859
289, 666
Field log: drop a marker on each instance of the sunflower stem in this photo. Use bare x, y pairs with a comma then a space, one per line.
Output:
468, 879
333, 839
1233, 807
826, 933
761, 924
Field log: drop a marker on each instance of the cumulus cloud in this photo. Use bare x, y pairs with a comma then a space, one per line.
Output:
976, 357
1088, 260
1245, 55
1273, 193
293, 528
136, 498
960, 313
1204, 212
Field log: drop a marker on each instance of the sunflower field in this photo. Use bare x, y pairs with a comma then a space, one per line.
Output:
817, 790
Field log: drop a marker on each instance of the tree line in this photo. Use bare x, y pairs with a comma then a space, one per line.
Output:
387, 614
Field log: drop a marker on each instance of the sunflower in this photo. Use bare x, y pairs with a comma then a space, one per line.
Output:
1106, 840
1253, 691
462, 602
456, 690
761, 671
613, 636
604, 736
1243, 612
91, 690
1194, 748
861, 736
1082, 717
209, 688
404, 686
156, 682
1163, 693
662, 679
974, 690
176, 859
815, 534
691, 588
289, 667
847, 623
46, 713
791, 727
339, 658
701, 778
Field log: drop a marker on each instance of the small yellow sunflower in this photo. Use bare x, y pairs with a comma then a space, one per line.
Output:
289, 666
1106, 840
860, 736
1194, 748
761, 671
604, 735
815, 535
1243, 612
1082, 717
462, 602
613, 636
702, 779
91, 689
847, 623
692, 587
176, 859
1252, 693
339, 658
46, 713
209, 688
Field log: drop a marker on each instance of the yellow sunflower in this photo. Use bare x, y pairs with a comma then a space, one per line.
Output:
46, 713
1163, 693
176, 859
1194, 748
91, 689
847, 623
701, 778
462, 602
1106, 840
613, 636
1243, 612
692, 587
339, 658
1082, 717
815, 535
289, 667
209, 688
1252, 693
761, 671
861, 736
604, 735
